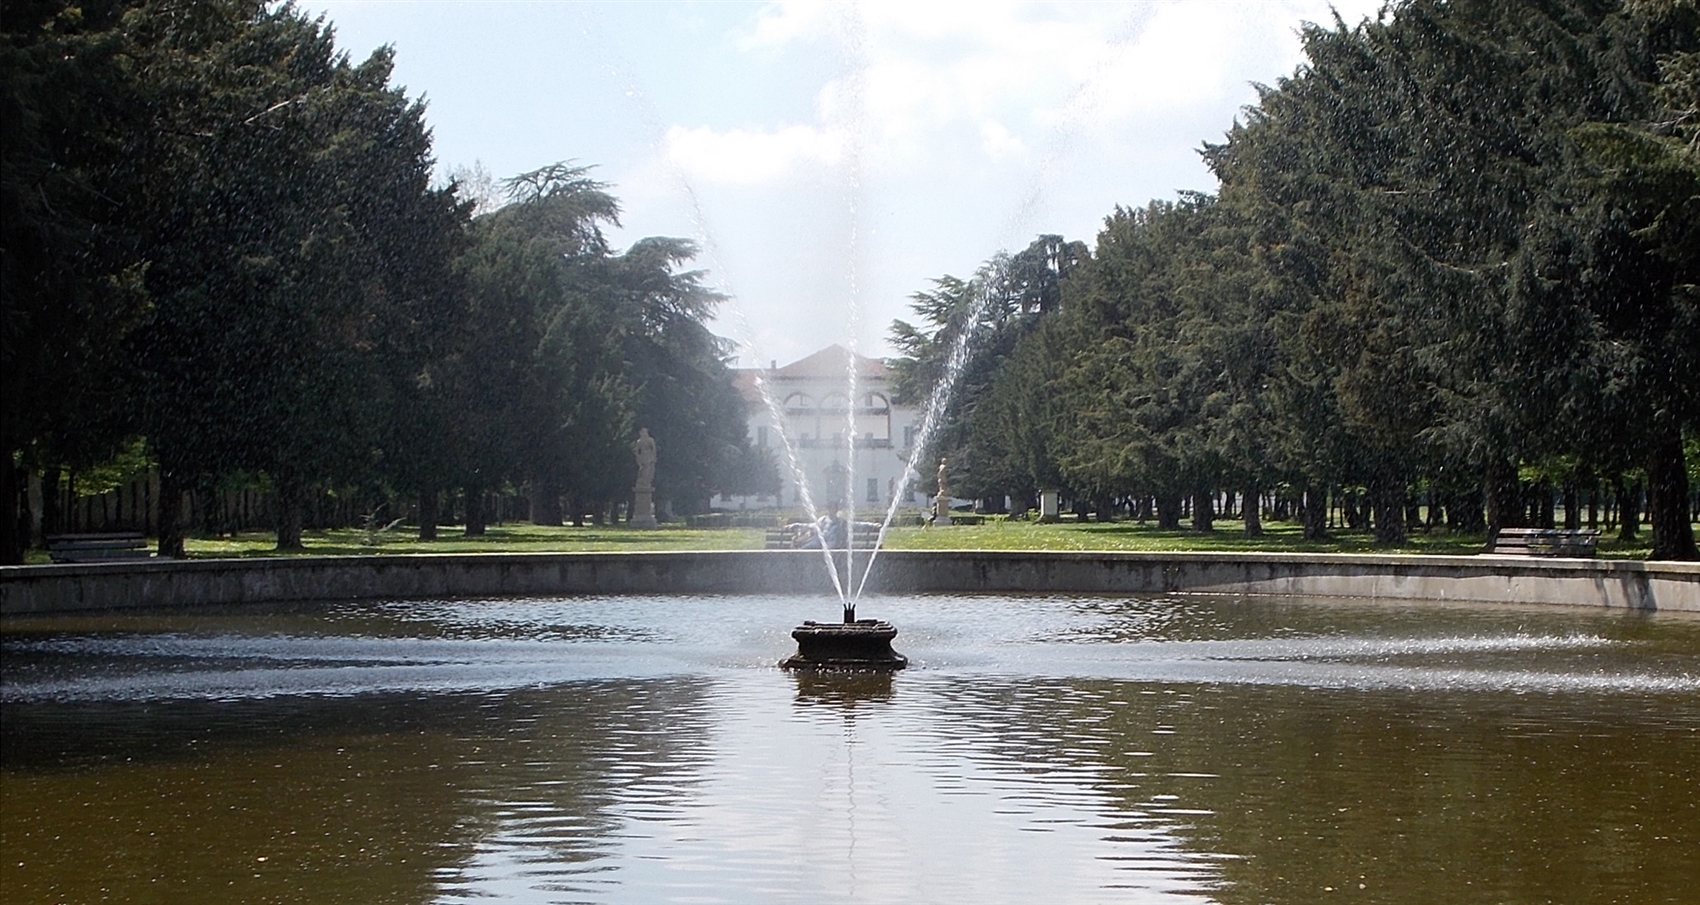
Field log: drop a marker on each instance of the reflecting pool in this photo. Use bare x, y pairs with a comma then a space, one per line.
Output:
1038, 749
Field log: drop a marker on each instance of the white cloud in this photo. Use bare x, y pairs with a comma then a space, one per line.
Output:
931, 84
784, 23
999, 143
746, 157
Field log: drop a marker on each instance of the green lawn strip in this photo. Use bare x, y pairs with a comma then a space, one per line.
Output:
994, 534
1277, 537
510, 538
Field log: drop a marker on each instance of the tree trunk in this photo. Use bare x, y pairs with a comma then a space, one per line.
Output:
1667, 498
1352, 510
15, 527
1024, 503
170, 513
52, 515
1387, 495
1504, 507
1168, 511
475, 518
291, 509
1313, 511
545, 504
211, 502
1106, 510
1203, 510
428, 515
1250, 508
1628, 509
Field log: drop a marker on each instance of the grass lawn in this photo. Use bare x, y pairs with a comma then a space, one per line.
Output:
514, 537
994, 534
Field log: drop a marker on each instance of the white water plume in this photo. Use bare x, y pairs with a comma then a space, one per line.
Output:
937, 405
705, 236
851, 34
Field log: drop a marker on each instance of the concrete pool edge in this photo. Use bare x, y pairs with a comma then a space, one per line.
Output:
43, 589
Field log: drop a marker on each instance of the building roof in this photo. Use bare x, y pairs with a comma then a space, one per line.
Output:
830, 362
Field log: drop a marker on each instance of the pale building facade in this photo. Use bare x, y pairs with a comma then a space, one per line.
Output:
861, 466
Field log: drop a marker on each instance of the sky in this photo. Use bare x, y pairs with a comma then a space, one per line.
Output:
832, 159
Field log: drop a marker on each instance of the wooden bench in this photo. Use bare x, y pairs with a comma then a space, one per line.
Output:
107, 547
1579, 542
787, 538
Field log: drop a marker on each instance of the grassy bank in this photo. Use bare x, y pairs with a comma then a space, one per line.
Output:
995, 534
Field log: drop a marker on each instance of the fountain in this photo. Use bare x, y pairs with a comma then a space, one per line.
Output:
573, 739
865, 644
851, 644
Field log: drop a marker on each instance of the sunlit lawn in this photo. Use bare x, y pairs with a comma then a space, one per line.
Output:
995, 534
516, 537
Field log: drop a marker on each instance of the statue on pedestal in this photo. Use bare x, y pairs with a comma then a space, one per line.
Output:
941, 502
643, 449
643, 492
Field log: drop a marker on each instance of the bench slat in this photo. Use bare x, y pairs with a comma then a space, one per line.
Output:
1570, 542
97, 546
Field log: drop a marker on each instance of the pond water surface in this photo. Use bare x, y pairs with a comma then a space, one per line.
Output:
1039, 749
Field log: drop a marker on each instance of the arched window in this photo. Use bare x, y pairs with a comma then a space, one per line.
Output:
873, 419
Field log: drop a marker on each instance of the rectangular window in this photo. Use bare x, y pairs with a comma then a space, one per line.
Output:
761, 436
873, 490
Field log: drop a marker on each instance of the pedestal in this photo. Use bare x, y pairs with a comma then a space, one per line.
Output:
1049, 510
941, 510
643, 508
863, 644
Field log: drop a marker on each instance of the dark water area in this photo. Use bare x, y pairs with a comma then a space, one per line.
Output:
1039, 749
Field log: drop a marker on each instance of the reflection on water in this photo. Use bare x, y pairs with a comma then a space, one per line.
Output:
1038, 749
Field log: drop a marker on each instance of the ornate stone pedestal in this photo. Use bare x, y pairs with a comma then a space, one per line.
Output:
863, 644
1050, 509
643, 508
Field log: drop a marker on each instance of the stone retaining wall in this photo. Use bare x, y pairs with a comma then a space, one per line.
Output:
159, 583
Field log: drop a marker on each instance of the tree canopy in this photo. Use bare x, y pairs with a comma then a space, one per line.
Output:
223, 242
1453, 252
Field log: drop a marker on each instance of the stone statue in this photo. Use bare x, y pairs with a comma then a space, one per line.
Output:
941, 502
644, 451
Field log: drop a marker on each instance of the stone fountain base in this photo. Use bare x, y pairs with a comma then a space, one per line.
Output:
862, 644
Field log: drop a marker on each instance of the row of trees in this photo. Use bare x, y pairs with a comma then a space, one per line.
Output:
222, 239
1457, 251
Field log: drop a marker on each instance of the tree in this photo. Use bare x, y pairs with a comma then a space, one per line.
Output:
297, 253
980, 320
574, 347
71, 275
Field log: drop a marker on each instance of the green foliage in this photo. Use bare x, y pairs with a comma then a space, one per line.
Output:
572, 348
1461, 238
221, 236
980, 321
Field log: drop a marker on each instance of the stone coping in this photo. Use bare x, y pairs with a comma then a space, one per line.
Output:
1483, 578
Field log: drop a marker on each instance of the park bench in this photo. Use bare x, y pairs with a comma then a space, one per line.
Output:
103, 547
787, 538
1572, 542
